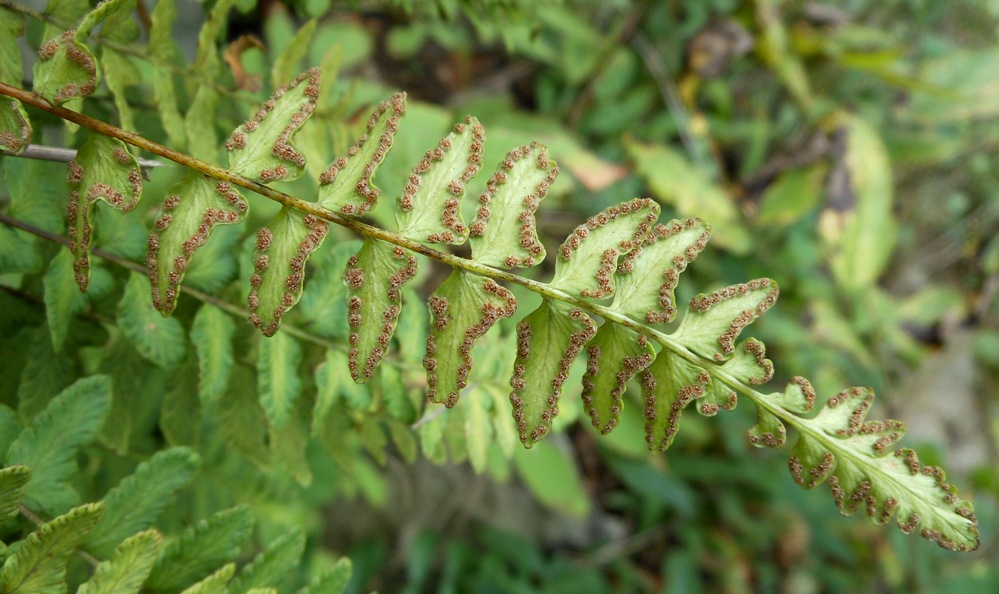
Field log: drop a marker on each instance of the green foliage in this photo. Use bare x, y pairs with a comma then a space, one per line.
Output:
253, 411
39, 565
200, 549
49, 445
127, 567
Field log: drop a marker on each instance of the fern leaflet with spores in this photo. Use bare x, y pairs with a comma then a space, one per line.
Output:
621, 253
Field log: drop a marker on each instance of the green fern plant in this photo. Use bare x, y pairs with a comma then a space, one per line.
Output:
611, 298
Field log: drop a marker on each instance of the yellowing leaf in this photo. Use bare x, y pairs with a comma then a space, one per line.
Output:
858, 228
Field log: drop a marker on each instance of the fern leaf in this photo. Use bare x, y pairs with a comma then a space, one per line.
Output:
244, 424
45, 374
10, 429
13, 482
323, 307
856, 458
430, 206
103, 170
261, 149
860, 240
119, 72
749, 364
272, 565
282, 249
39, 565
128, 566
478, 431
674, 180
215, 583
512, 196
613, 357
15, 127
346, 185
332, 581
136, 502
17, 253
277, 373
668, 386
66, 69
63, 299
548, 341
374, 278
187, 218
587, 259
158, 339
200, 121
462, 309
713, 321
11, 28
211, 333
48, 446
286, 64
42, 205
161, 46
180, 409
289, 447
798, 397
200, 549
648, 274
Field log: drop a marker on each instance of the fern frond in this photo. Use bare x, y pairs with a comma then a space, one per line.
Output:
621, 255
103, 170
39, 565
200, 550
128, 566
48, 446
13, 482
272, 565
136, 502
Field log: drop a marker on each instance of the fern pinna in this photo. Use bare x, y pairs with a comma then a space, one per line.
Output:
610, 300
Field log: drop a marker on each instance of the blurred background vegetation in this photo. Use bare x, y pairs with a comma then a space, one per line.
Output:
846, 149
